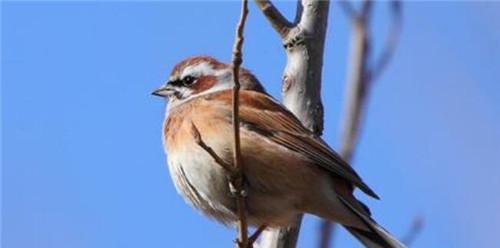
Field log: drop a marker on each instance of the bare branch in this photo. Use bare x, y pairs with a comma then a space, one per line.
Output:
348, 8
366, 8
255, 235
390, 43
415, 229
302, 75
285, 237
357, 87
238, 179
274, 16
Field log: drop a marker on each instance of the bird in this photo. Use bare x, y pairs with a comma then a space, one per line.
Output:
288, 170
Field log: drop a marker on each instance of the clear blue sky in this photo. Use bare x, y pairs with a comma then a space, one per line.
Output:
82, 160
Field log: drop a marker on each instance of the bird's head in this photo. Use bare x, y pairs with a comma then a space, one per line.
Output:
200, 75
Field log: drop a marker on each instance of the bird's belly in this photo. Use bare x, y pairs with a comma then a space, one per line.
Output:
204, 185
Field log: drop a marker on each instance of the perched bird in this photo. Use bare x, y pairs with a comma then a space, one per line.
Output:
288, 170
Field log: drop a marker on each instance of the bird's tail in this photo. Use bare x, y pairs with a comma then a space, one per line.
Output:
375, 236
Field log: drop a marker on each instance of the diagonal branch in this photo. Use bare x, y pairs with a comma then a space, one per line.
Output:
199, 140
415, 229
390, 42
277, 20
358, 85
252, 239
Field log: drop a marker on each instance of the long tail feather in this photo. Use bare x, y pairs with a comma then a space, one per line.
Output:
376, 236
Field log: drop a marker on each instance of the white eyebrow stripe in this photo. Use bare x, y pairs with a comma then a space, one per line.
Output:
199, 69
202, 68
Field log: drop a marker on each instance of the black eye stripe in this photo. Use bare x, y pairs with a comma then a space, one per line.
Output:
186, 81
176, 82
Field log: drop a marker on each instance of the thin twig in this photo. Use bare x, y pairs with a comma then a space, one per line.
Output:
277, 20
415, 229
348, 8
390, 42
255, 235
199, 140
237, 180
358, 86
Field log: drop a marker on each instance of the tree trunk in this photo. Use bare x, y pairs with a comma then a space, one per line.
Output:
304, 44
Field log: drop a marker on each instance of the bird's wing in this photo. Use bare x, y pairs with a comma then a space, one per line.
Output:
261, 113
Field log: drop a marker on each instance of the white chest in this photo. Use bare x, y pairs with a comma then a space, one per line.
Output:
202, 183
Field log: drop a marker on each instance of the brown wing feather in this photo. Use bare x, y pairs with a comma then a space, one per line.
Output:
261, 113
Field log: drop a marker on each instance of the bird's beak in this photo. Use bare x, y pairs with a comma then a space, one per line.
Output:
163, 91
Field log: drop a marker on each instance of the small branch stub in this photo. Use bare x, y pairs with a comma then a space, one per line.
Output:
274, 16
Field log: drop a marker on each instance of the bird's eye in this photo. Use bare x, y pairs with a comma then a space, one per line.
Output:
188, 80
